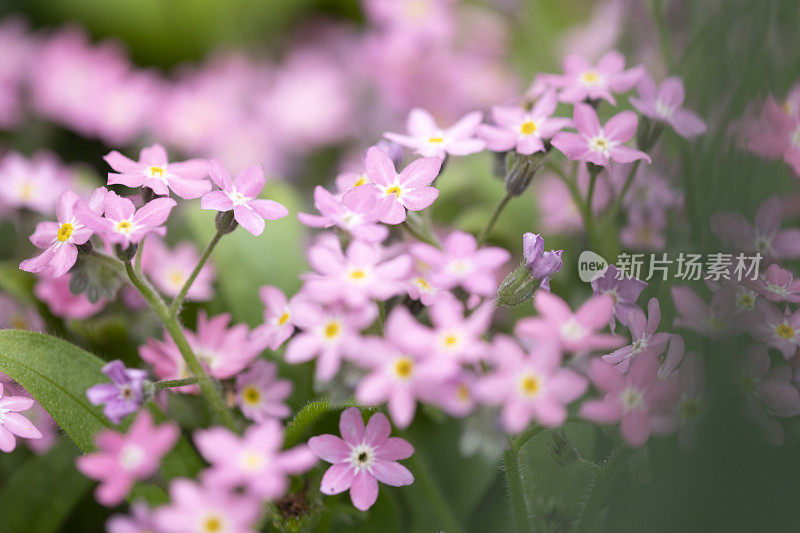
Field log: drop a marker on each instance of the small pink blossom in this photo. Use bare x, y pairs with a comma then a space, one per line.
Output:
639, 400
713, 320
429, 140
254, 461
203, 508
61, 302
664, 104
778, 285
140, 520
461, 262
278, 325
169, 269
153, 170
358, 212
765, 236
777, 134
644, 338
530, 386
60, 239
575, 332
409, 190
625, 291
260, 395
583, 81
35, 183
456, 395
523, 130
600, 144
123, 459
12, 423
362, 458
240, 195
122, 223
775, 328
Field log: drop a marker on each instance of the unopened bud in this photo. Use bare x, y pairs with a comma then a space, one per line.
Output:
520, 170
648, 134
85, 248
541, 265
126, 254
225, 222
517, 288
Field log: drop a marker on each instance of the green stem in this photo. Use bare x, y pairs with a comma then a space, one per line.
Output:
516, 488
176, 303
598, 489
621, 196
173, 327
433, 494
171, 383
114, 263
139, 252
417, 235
493, 218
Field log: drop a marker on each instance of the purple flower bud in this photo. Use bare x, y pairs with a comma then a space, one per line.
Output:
123, 395
542, 265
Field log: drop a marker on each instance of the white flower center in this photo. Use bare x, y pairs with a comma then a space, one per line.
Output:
251, 460
572, 331
238, 198
350, 219
361, 457
632, 399
125, 227
358, 275
131, 457
664, 109
212, 523
529, 385
459, 267
638, 345
331, 331
746, 300
590, 78
601, 144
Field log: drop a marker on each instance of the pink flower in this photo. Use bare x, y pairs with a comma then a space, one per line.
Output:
260, 395
61, 302
523, 130
12, 423
35, 183
644, 337
254, 461
600, 144
409, 190
123, 223
664, 104
574, 332
123, 459
460, 262
204, 508
714, 320
583, 81
638, 399
778, 284
456, 395
277, 326
362, 457
355, 277
60, 239
429, 140
765, 236
530, 386
186, 179
779, 330
401, 367
328, 333
140, 520
240, 195
169, 269
778, 134
123, 396
357, 212
624, 290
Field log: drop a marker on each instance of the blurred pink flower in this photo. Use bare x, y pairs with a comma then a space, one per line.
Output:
777, 329
122, 223
644, 339
765, 236
36, 183
429, 140
778, 285
169, 269
260, 395
153, 170
60, 300
664, 104
278, 325
209, 507
12, 423
583, 81
357, 212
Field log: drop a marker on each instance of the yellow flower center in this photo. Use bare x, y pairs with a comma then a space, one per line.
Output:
450, 340
785, 331
746, 301
251, 395
529, 385
156, 172
361, 181
124, 226
251, 460
528, 128
284, 318
404, 367
590, 77
436, 140
393, 190
65, 232
212, 524
599, 144
358, 274
176, 277
332, 330
422, 284
26, 191
462, 393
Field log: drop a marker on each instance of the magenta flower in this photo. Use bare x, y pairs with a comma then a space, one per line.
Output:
600, 144
169, 269
254, 461
529, 386
765, 236
639, 400
327, 333
523, 130
574, 332
542, 265
644, 337
460, 262
355, 277
123, 459
664, 104
624, 290
186, 179
583, 81
358, 212
123, 395
401, 368
61, 302
12, 423
60, 239
429, 140
776, 329
240, 195
778, 285
123, 223
206, 508
260, 395
362, 457
278, 325
409, 190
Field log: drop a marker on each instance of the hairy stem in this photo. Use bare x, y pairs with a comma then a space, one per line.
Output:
599, 487
172, 383
176, 303
624, 191
493, 218
516, 488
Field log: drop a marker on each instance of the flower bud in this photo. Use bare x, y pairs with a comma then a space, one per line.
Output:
85, 248
648, 134
225, 222
520, 170
541, 265
517, 288
126, 254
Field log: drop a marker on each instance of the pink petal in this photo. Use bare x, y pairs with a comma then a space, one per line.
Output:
379, 166
621, 126
573, 145
420, 123
364, 490
250, 181
419, 199
636, 428
249, 219
329, 448
351, 426
337, 479
392, 473
216, 200
586, 121
378, 430
394, 449
421, 172
20, 426
269, 209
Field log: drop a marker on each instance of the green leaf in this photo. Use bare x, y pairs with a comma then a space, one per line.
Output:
57, 374
43, 491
